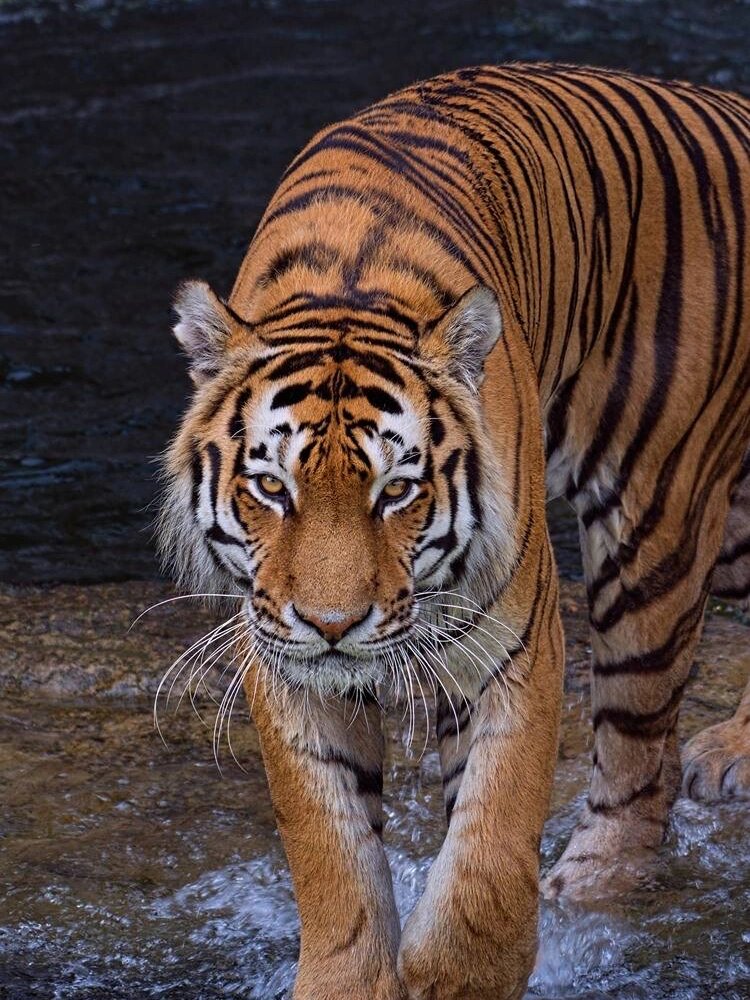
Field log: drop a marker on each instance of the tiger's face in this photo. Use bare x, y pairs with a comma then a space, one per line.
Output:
327, 479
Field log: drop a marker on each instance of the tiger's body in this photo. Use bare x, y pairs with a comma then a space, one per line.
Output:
493, 279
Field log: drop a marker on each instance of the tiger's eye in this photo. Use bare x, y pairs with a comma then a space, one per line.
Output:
271, 486
396, 489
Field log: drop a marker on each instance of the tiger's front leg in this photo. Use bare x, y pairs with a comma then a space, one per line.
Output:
473, 935
324, 767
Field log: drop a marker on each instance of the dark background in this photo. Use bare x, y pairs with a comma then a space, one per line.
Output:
139, 143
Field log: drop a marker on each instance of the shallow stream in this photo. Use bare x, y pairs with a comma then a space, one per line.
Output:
130, 869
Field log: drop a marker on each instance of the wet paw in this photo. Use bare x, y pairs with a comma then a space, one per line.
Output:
440, 984
450, 951
716, 762
581, 878
572, 880
601, 860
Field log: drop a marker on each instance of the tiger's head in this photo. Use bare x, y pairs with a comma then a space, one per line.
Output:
332, 470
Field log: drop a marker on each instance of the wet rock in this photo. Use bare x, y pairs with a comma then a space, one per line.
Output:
71, 641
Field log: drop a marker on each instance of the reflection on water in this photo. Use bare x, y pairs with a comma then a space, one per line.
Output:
131, 870
139, 143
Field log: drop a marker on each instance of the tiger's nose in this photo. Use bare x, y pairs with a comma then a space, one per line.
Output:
332, 625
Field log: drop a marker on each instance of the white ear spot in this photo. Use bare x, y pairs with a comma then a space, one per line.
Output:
203, 328
466, 334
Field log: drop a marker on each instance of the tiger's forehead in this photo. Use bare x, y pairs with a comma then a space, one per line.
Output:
330, 418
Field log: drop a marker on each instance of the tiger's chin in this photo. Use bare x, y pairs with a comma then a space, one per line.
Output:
333, 673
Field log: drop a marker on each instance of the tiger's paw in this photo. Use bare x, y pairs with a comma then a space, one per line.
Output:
444, 958
436, 978
602, 860
716, 762
386, 987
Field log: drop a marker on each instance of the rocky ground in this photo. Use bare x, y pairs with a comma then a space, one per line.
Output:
72, 642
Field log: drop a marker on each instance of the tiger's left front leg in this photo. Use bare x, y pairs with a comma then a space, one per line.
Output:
473, 935
324, 765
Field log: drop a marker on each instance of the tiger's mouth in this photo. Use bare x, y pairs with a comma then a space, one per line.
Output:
329, 657
334, 659
333, 672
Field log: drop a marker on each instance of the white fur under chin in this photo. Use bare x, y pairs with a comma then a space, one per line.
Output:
333, 674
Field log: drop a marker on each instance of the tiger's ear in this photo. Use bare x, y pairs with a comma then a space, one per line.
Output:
463, 337
203, 329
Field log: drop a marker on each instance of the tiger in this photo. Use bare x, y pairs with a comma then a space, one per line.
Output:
500, 285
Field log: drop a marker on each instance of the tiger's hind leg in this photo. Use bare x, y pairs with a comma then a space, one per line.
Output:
648, 570
716, 762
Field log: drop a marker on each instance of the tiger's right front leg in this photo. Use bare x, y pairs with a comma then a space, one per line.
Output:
324, 767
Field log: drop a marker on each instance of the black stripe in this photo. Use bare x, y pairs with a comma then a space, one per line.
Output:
359, 925
217, 534
291, 395
641, 725
296, 362
315, 255
381, 399
369, 782
236, 427
455, 772
445, 723
664, 656
615, 405
214, 458
450, 805
649, 790
196, 474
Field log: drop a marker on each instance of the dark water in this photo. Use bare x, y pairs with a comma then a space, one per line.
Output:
139, 143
